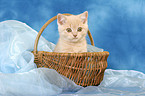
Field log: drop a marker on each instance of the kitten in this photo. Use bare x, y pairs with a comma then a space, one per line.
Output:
72, 30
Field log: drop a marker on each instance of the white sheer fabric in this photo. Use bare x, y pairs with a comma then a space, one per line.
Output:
20, 77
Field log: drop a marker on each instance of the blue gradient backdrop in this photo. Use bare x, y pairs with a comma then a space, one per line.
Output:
117, 26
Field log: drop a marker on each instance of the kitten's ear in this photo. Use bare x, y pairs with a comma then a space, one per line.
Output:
61, 19
84, 17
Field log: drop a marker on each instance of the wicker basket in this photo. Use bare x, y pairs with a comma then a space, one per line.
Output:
84, 69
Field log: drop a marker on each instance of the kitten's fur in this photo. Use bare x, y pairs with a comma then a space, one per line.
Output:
73, 39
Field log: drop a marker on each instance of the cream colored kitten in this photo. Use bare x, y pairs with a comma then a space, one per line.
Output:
72, 30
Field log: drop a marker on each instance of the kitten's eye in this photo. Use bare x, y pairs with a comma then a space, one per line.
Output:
68, 30
79, 29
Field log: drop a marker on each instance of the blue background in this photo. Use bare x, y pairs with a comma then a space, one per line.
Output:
117, 26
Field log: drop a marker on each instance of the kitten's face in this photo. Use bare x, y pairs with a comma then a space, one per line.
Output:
72, 28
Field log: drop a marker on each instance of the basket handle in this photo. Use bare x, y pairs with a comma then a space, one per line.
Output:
46, 24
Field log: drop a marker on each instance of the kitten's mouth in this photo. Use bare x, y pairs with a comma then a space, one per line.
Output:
75, 38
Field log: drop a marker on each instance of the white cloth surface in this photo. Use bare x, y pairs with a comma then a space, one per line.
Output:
20, 77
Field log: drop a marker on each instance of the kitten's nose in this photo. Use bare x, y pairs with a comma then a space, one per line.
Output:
75, 35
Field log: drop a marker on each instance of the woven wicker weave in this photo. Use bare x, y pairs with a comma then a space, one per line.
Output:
84, 69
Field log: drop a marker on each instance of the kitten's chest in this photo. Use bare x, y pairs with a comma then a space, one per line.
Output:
74, 48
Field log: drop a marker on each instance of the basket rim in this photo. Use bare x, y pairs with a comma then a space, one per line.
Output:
74, 54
